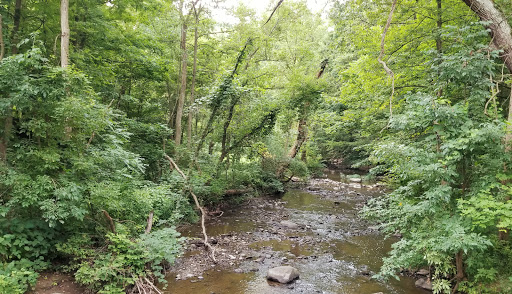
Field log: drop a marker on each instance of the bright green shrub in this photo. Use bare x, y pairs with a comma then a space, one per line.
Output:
124, 260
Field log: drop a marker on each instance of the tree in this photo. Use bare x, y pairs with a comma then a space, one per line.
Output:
501, 35
183, 71
64, 39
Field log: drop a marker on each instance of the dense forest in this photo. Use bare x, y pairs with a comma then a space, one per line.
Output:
124, 119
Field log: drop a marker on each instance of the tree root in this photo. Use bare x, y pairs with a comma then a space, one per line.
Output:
203, 212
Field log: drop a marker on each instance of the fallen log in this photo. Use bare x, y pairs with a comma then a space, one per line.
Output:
235, 192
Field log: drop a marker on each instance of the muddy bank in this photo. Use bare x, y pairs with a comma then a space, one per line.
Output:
314, 228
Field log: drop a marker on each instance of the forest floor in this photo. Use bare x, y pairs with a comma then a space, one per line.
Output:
56, 283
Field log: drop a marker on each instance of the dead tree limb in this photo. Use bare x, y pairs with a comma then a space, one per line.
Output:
196, 201
384, 65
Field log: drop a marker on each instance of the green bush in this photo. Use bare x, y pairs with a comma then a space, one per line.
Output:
17, 276
124, 261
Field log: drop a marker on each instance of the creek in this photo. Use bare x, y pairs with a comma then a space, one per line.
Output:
334, 250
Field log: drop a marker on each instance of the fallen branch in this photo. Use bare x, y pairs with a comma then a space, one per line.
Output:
235, 192
152, 286
203, 213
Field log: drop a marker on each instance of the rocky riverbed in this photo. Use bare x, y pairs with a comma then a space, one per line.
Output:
314, 228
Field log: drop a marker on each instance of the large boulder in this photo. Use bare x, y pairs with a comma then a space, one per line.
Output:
283, 274
424, 284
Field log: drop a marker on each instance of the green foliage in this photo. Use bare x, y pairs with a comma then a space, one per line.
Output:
17, 276
124, 261
443, 157
162, 247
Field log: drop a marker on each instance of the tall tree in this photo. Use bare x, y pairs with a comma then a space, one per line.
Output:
16, 27
64, 41
183, 79
2, 44
197, 11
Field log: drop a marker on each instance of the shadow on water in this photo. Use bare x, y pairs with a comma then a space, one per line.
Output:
333, 249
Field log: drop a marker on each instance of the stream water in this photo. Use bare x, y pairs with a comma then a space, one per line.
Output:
333, 249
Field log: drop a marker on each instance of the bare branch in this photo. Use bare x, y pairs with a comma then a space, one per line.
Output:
196, 201
273, 11
384, 65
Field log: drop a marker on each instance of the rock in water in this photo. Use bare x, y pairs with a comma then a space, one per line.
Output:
283, 274
356, 180
424, 284
289, 224
423, 272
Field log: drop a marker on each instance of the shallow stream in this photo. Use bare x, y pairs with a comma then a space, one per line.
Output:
333, 249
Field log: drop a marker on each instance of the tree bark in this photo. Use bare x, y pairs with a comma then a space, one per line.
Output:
501, 31
460, 275
16, 27
149, 224
64, 27
301, 137
183, 88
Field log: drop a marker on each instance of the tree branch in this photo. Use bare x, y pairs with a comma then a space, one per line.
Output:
384, 65
196, 201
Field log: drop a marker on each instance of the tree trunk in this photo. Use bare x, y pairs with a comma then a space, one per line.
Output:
2, 44
224, 149
16, 27
172, 103
193, 86
439, 40
301, 138
8, 120
501, 32
460, 275
3, 142
183, 88
64, 27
